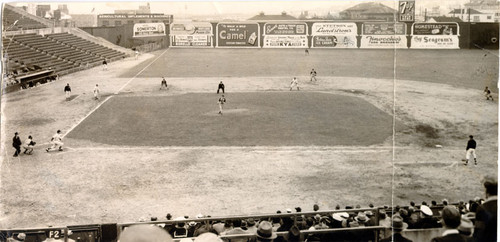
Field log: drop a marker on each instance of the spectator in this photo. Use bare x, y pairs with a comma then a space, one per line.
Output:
371, 218
265, 232
180, 230
144, 232
426, 220
207, 237
485, 228
315, 207
251, 226
445, 202
466, 226
104, 65
397, 227
450, 218
294, 235
237, 230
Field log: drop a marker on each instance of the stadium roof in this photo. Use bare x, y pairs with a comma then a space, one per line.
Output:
371, 8
282, 16
443, 19
465, 11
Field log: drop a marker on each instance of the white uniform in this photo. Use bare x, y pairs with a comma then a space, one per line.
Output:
28, 146
56, 141
96, 92
294, 83
221, 102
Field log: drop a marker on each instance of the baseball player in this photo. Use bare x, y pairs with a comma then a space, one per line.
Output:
163, 83
313, 75
221, 86
96, 92
487, 94
221, 102
294, 83
28, 145
471, 150
56, 141
104, 65
67, 90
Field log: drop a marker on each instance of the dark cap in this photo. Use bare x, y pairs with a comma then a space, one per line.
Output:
451, 216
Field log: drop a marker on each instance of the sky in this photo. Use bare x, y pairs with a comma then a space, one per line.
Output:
224, 7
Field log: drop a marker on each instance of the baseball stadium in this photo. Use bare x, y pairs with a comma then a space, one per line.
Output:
381, 131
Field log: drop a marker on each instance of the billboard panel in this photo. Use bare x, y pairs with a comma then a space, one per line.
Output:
191, 40
384, 41
149, 30
434, 42
407, 11
285, 41
285, 29
384, 29
334, 29
191, 34
435, 29
238, 35
335, 41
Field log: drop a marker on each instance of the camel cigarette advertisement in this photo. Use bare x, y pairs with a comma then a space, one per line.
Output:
237, 35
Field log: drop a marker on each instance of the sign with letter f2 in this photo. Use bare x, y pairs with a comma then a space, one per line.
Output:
406, 11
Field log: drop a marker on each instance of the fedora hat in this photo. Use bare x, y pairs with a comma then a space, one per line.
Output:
265, 231
465, 225
398, 224
361, 217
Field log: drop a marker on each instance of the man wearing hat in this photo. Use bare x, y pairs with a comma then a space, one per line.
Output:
16, 143
144, 232
265, 232
397, 227
426, 219
451, 218
485, 228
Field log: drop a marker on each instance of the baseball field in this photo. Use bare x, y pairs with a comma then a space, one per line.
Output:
379, 126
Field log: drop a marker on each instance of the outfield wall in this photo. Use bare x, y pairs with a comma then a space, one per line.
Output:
311, 34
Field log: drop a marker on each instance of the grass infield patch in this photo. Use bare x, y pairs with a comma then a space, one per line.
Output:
249, 119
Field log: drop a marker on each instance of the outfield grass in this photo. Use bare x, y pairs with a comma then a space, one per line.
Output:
462, 68
249, 119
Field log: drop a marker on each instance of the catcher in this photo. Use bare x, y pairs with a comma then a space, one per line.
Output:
28, 145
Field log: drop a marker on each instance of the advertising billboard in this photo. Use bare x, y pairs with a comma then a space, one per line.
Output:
406, 11
149, 30
285, 41
285, 29
435, 29
238, 35
434, 42
334, 35
195, 34
384, 29
384, 41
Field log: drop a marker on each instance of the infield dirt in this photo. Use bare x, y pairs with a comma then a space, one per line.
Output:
97, 183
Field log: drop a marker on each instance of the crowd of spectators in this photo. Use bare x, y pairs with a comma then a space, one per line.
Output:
475, 220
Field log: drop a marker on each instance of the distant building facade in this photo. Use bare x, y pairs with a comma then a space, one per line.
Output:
472, 15
490, 10
42, 10
369, 11
264, 17
84, 20
110, 20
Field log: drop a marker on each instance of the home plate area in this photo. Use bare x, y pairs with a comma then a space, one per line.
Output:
248, 119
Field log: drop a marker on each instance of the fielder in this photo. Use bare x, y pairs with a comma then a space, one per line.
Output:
471, 150
313, 75
221, 102
28, 145
56, 141
163, 83
96, 92
294, 83
487, 94
67, 90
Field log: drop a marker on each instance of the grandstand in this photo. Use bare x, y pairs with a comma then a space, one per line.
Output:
35, 52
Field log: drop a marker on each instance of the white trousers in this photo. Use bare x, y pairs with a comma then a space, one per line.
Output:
469, 152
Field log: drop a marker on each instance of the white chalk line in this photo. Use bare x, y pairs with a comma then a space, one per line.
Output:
117, 92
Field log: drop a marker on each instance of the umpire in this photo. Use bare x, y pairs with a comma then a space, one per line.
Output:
221, 86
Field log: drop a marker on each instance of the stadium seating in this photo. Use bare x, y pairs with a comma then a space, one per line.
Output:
10, 17
87, 46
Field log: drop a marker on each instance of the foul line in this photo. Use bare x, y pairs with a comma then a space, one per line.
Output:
138, 73
105, 100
